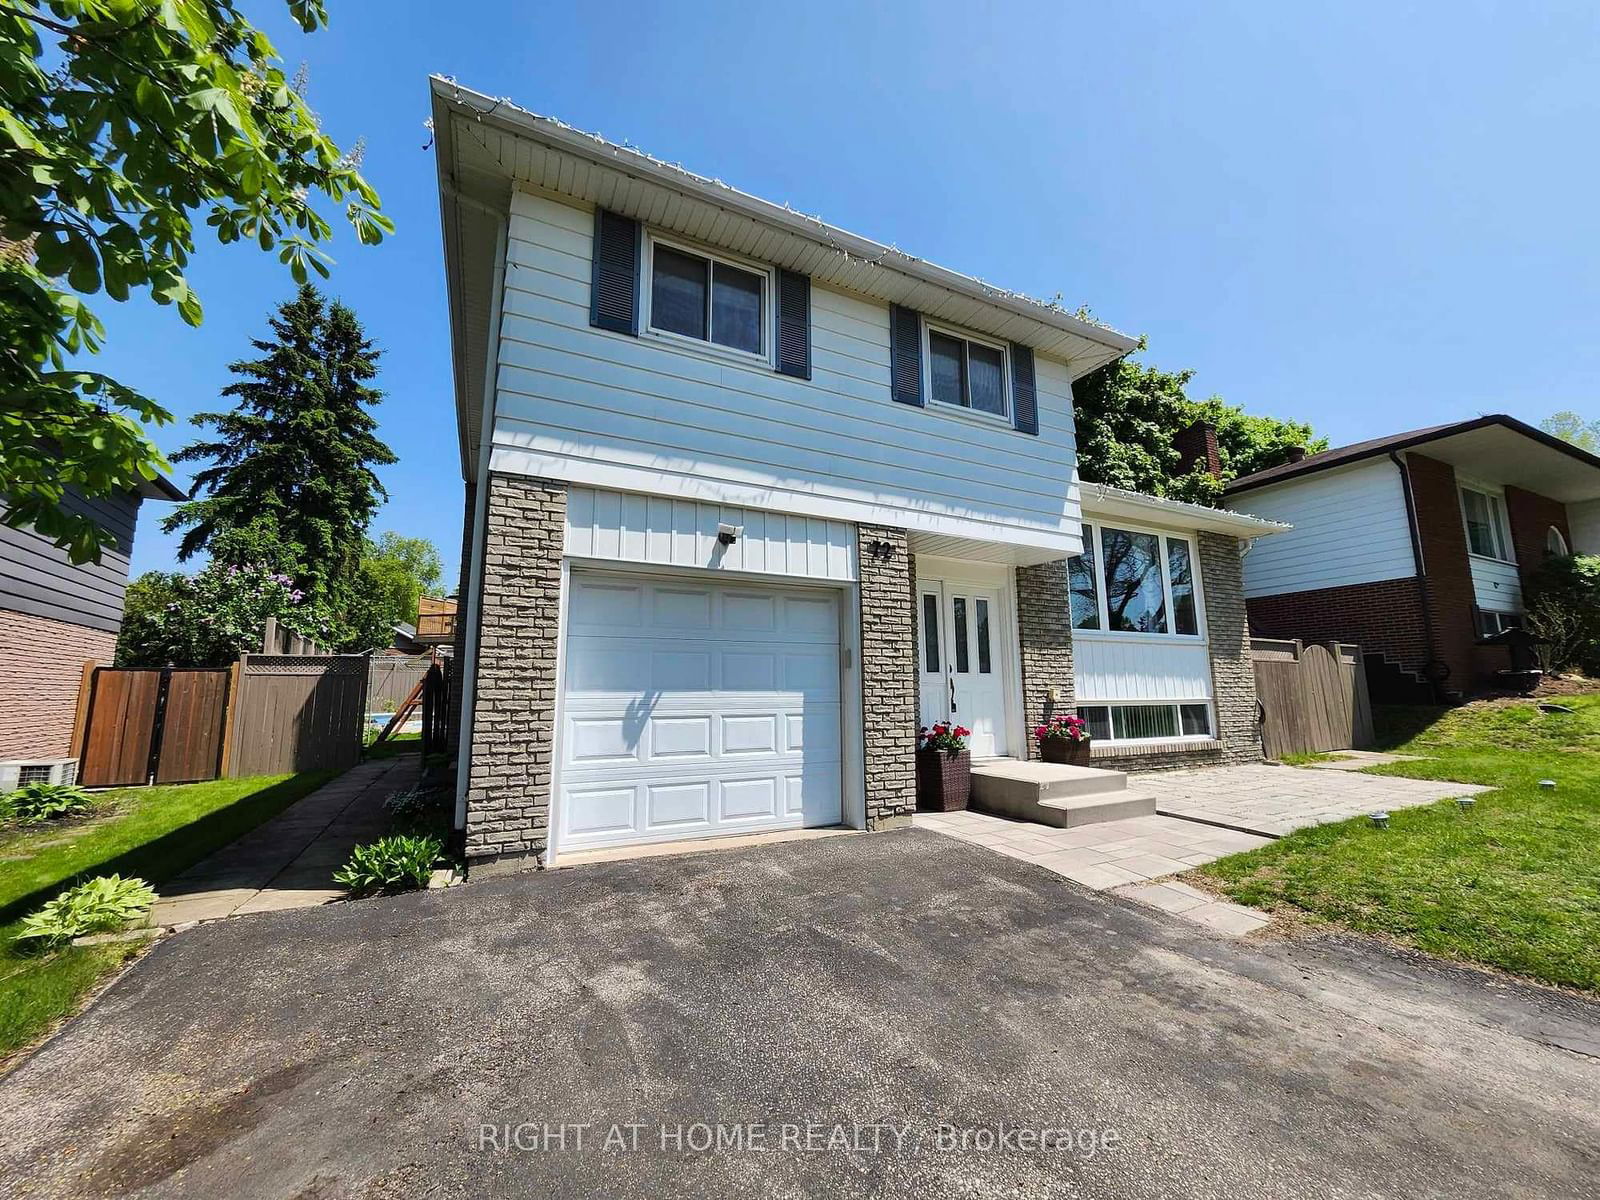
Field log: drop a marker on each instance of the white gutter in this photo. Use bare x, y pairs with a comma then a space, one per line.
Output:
1104, 500
470, 606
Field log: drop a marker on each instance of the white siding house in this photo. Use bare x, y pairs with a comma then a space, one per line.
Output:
1350, 527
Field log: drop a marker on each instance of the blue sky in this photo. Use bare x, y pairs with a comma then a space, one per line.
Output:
1372, 219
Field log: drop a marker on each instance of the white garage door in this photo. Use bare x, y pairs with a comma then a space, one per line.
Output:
693, 709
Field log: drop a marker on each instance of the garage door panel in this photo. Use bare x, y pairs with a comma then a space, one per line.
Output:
690, 710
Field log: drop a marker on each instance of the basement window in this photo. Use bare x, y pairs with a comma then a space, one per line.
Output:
1147, 722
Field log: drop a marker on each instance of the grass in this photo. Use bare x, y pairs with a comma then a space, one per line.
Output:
1513, 883
1310, 756
153, 833
394, 744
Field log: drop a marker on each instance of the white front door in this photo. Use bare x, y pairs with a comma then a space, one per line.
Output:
961, 669
696, 707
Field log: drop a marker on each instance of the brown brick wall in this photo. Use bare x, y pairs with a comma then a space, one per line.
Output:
1044, 631
514, 701
41, 667
1449, 573
888, 674
1385, 617
1530, 516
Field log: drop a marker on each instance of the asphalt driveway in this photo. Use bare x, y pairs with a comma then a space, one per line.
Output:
822, 1007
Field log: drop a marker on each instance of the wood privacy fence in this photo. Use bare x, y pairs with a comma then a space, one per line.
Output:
296, 713
151, 726
266, 715
1313, 698
390, 679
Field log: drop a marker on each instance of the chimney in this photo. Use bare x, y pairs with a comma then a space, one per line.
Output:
1197, 449
1296, 453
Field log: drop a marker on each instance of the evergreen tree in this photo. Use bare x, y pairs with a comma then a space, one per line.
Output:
290, 472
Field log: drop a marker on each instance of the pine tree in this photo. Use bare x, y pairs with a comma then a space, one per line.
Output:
291, 464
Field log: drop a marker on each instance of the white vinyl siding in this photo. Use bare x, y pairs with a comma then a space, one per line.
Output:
657, 416
661, 531
1584, 520
1349, 527
1131, 667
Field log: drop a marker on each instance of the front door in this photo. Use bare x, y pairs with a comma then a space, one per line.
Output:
962, 676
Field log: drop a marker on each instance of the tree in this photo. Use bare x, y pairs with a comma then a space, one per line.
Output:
119, 121
1570, 427
1128, 413
292, 462
208, 619
401, 569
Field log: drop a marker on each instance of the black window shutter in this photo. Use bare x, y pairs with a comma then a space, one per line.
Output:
1024, 399
614, 286
905, 355
794, 324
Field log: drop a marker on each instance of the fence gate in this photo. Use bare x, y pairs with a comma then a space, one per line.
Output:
162, 725
1313, 698
297, 713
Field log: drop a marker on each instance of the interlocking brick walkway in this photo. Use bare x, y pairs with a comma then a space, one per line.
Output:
289, 861
1274, 801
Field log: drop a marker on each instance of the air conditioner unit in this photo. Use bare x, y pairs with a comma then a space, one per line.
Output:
22, 771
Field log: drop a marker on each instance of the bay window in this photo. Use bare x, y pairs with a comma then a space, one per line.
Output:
1134, 582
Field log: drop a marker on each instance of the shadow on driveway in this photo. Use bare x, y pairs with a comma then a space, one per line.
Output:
901, 978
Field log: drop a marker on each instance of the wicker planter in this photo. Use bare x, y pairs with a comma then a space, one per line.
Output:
944, 781
1065, 750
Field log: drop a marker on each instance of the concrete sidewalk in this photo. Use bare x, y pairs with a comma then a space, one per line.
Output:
288, 862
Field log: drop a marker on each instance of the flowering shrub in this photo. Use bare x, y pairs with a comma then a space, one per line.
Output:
1070, 728
950, 738
212, 616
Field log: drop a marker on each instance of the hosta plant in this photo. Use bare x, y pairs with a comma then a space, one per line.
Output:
106, 902
44, 801
391, 864
415, 806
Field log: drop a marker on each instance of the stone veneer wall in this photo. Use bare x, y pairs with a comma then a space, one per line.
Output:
514, 701
1044, 632
888, 675
41, 669
1233, 678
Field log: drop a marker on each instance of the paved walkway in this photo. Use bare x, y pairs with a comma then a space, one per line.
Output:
289, 861
1360, 760
1274, 801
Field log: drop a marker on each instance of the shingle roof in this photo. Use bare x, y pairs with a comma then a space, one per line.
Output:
1340, 455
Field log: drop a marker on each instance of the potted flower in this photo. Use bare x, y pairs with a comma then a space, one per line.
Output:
1064, 739
944, 767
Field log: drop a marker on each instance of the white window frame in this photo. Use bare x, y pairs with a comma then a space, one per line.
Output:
706, 346
1002, 418
1496, 502
1162, 702
1560, 540
1105, 632
1499, 619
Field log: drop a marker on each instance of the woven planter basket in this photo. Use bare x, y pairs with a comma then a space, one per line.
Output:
944, 781
1065, 750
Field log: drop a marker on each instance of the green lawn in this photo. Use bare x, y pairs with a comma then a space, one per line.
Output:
395, 743
153, 833
1514, 883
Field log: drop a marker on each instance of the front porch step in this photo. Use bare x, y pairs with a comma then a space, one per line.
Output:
1055, 794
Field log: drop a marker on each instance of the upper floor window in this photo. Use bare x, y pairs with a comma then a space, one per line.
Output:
967, 372
1134, 581
707, 298
1485, 516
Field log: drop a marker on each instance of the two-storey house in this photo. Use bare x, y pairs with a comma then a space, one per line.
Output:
750, 498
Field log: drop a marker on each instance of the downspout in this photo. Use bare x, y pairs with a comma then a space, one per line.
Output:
1421, 565
472, 604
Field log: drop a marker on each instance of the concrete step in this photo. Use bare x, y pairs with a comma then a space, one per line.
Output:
1069, 814
1055, 794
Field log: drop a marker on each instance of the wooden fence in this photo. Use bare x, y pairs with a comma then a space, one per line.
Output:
390, 678
268, 714
1313, 698
136, 727
296, 713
